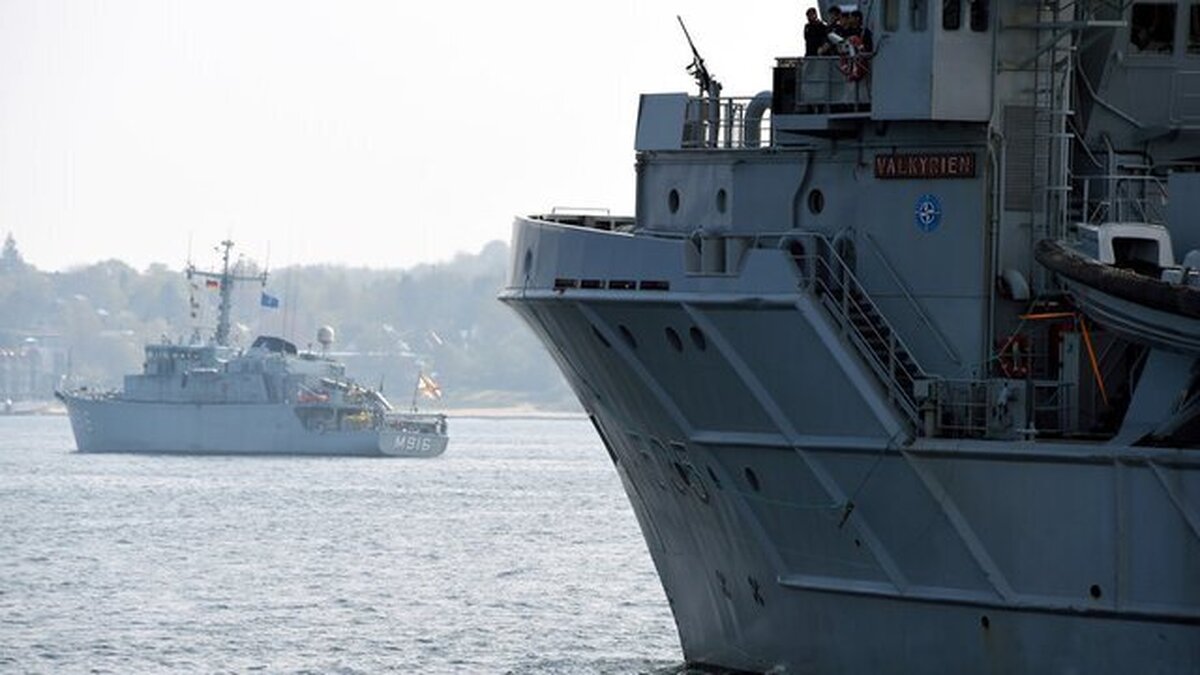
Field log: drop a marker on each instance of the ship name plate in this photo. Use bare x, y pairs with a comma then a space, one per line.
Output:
925, 165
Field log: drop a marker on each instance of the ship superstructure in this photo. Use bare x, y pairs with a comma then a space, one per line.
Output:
898, 361
208, 397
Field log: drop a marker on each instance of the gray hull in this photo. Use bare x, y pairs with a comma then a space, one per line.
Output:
411, 443
793, 532
115, 425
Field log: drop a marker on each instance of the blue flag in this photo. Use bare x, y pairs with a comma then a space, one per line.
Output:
270, 301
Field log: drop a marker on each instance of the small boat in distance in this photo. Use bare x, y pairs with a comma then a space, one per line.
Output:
207, 397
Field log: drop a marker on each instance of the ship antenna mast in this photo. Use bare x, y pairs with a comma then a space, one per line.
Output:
225, 281
708, 84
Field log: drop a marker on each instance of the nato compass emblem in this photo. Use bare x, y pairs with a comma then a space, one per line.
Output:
928, 213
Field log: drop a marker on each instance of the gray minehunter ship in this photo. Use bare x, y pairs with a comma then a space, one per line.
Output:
209, 398
898, 362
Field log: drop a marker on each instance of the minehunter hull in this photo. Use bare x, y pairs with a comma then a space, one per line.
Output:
116, 425
794, 531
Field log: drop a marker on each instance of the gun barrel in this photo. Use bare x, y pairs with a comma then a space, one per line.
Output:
697, 69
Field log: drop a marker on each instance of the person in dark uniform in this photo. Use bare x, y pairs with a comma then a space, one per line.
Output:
865, 36
837, 26
815, 32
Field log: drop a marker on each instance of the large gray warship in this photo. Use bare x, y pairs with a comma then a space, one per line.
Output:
207, 397
897, 362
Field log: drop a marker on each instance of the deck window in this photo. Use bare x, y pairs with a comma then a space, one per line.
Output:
1152, 28
951, 14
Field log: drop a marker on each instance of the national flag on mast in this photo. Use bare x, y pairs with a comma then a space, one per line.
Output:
428, 387
212, 283
269, 301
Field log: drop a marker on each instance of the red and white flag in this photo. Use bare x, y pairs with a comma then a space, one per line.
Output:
428, 387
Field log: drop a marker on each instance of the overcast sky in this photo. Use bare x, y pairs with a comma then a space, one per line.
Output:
354, 132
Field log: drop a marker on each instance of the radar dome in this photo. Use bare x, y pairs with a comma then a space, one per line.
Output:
325, 336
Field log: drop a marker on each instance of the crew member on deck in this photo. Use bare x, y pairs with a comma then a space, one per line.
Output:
866, 37
815, 33
836, 27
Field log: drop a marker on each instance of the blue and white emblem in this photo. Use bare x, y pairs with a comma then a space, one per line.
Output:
928, 213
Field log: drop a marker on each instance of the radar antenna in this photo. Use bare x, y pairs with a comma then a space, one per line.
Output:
707, 83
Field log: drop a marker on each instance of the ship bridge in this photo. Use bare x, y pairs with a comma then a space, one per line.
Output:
916, 44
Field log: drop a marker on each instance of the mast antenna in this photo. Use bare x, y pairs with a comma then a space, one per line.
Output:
224, 280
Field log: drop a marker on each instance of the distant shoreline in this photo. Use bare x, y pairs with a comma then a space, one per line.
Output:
515, 412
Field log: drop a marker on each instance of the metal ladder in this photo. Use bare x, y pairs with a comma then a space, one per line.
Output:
833, 284
1053, 76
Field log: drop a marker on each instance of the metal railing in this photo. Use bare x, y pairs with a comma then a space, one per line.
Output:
822, 88
825, 273
960, 408
729, 123
968, 409
1123, 198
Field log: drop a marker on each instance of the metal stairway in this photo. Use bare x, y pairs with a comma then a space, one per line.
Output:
832, 282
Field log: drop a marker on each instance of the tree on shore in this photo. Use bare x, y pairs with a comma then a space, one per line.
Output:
10, 257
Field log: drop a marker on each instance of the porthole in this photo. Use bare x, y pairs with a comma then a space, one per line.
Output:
673, 201
816, 201
1095, 592
600, 337
752, 479
722, 200
698, 338
629, 339
674, 339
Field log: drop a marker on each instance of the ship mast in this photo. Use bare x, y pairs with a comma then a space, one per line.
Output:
225, 280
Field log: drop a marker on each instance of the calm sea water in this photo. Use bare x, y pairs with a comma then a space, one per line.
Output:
516, 552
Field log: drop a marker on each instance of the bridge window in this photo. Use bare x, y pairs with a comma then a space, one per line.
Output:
951, 14
1152, 28
891, 15
979, 15
1193, 43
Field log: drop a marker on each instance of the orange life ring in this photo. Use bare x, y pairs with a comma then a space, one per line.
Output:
853, 63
